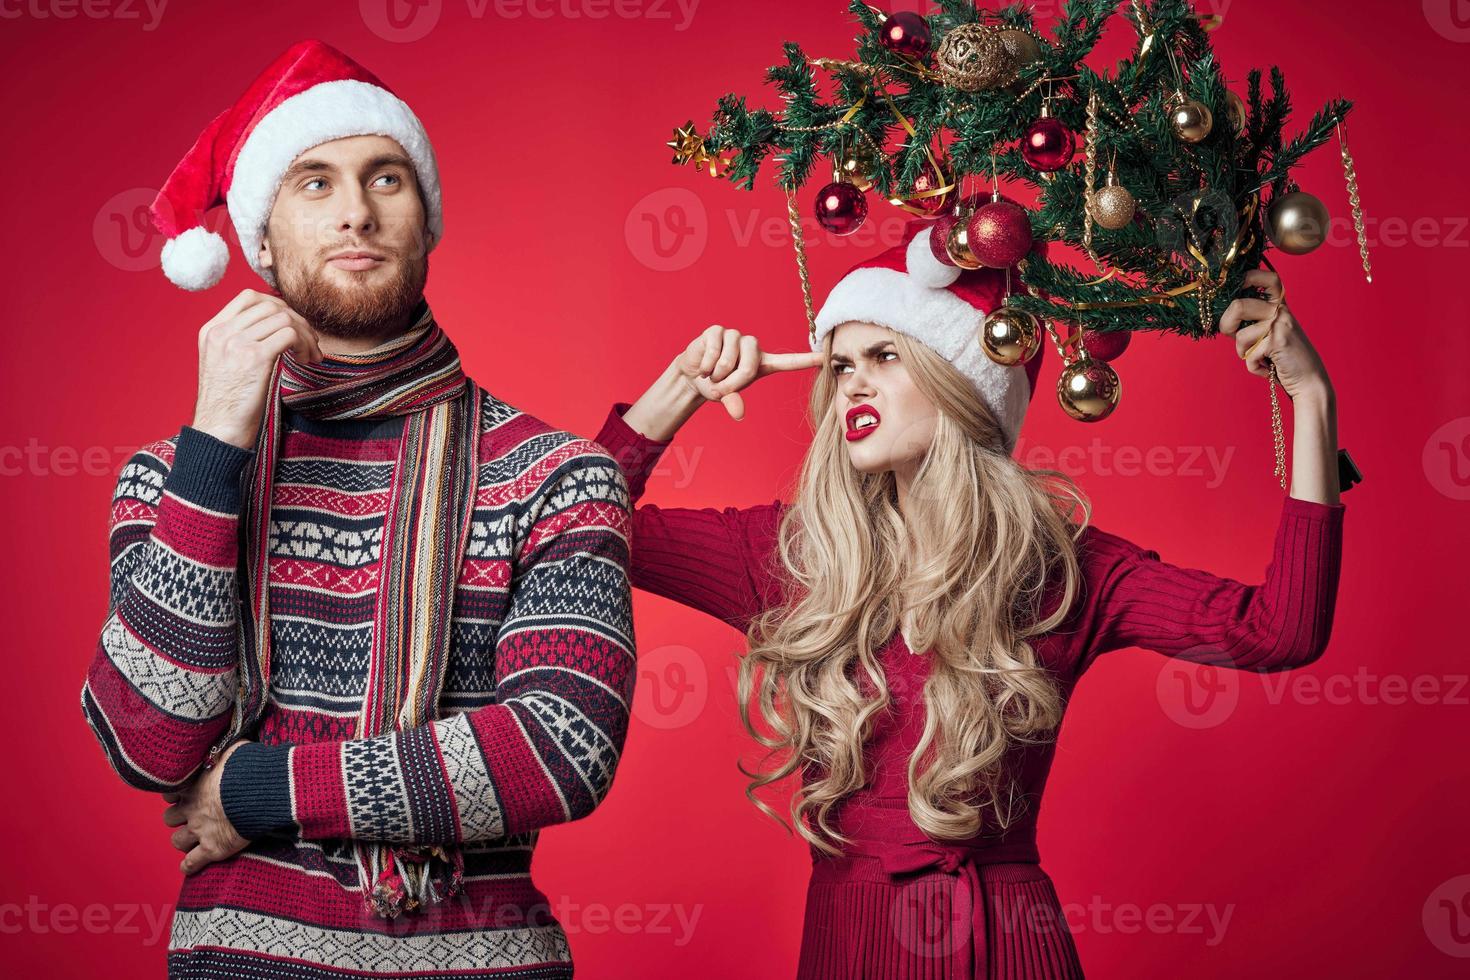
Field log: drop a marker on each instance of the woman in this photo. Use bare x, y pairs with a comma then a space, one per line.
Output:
919, 615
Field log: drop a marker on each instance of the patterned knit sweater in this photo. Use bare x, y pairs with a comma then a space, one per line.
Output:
532, 719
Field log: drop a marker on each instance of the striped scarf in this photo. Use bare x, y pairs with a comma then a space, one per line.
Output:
426, 528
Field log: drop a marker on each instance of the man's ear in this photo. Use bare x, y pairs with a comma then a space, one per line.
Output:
264, 256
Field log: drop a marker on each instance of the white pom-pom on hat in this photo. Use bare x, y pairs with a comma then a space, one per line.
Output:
924, 267
195, 259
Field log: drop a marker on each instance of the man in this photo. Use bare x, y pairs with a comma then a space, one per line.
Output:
370, 627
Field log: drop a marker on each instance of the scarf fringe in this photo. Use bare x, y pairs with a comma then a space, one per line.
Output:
405, 879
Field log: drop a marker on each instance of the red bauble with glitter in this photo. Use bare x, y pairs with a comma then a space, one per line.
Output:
841, 208
1048, 144
1000, 234
906, 33
939, 235
1105, 345
927, 181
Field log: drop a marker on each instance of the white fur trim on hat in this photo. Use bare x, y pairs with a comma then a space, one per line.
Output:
324, 112
938, 318
196, 258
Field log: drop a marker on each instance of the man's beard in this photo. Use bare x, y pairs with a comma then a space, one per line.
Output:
378, 310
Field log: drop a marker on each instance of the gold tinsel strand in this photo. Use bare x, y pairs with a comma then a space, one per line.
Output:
798, 239
1352, 183
1091, 144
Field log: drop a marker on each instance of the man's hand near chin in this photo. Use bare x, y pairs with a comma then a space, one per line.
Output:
204, 832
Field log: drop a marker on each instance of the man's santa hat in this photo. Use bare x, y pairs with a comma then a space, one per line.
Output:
908, 290
310, 95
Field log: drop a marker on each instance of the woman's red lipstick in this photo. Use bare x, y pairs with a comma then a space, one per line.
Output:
858, 424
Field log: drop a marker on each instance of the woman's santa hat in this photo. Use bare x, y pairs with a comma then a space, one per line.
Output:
310, 95
908, 290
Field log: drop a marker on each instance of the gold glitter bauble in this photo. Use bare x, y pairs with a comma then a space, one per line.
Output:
1088, 389
1191, 120
1024, 49
973, 58
1010, 336
1113, 205
1297, 223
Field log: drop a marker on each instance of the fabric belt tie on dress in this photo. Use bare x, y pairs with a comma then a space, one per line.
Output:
889, 835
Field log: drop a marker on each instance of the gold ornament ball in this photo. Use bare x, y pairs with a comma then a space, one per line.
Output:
858, 166
1024, 49
1235, 111
1191, 120
973, 58
1297, 223
1113, 207
1088, 389
1010, 336
957, 243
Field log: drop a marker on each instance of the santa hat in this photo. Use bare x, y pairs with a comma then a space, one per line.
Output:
310, 95
908, 290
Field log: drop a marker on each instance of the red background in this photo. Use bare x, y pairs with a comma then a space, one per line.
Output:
1326, 821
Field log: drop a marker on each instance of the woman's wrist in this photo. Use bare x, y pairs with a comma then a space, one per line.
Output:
1314, 444
664, 408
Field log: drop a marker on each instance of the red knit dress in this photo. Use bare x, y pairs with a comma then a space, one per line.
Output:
897, 905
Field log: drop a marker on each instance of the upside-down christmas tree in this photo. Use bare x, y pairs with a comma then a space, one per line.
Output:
1179, 187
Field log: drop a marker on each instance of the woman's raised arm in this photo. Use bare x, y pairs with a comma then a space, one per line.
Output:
716, 560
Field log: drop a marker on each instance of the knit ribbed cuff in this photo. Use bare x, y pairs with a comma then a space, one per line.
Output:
255, 789
206, 471
635, 453
1315, 510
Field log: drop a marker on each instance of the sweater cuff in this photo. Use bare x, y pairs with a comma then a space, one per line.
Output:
635, 453
255, 789
1314, 510
206, 471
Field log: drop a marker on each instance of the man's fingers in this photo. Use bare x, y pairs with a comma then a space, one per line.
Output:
194, 860
310, 348
172, 796
175, 816
184, 839
1241, 310
796, 361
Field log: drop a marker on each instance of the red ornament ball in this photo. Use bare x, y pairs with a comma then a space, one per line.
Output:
1000, 234
927, 181
1048, 144
1105, 345
841, 208
906, 33
938, 235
